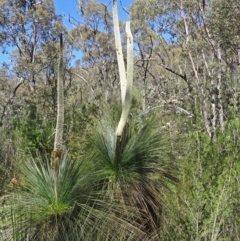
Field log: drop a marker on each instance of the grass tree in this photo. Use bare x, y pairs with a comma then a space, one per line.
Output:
63, 201
114, 192
133, 159
139, 178
47, 189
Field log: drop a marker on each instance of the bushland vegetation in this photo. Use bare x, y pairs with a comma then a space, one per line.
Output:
135, 139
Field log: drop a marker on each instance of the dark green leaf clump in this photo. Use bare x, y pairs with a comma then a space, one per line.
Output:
140, 173
76, 212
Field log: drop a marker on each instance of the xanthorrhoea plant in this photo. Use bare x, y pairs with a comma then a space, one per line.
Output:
60, 116
79, 213
139, 178
135, 165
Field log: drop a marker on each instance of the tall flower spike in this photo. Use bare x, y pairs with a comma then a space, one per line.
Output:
60, 117
126, 81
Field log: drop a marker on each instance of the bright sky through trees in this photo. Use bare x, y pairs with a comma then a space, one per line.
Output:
68, 8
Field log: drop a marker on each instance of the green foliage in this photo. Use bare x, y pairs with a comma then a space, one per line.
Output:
140, 174
107, 196
186, 61
34, 135
6, 161
78, 122
76, 212
208, 199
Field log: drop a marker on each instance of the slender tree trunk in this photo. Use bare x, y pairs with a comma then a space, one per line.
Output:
144, 96
32, 81
219, 88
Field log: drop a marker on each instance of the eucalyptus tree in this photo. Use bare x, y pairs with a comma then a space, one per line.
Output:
28, 32
25, 26
186, 40
193, 41
93, 37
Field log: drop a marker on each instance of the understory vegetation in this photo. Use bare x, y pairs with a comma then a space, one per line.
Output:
137, 139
